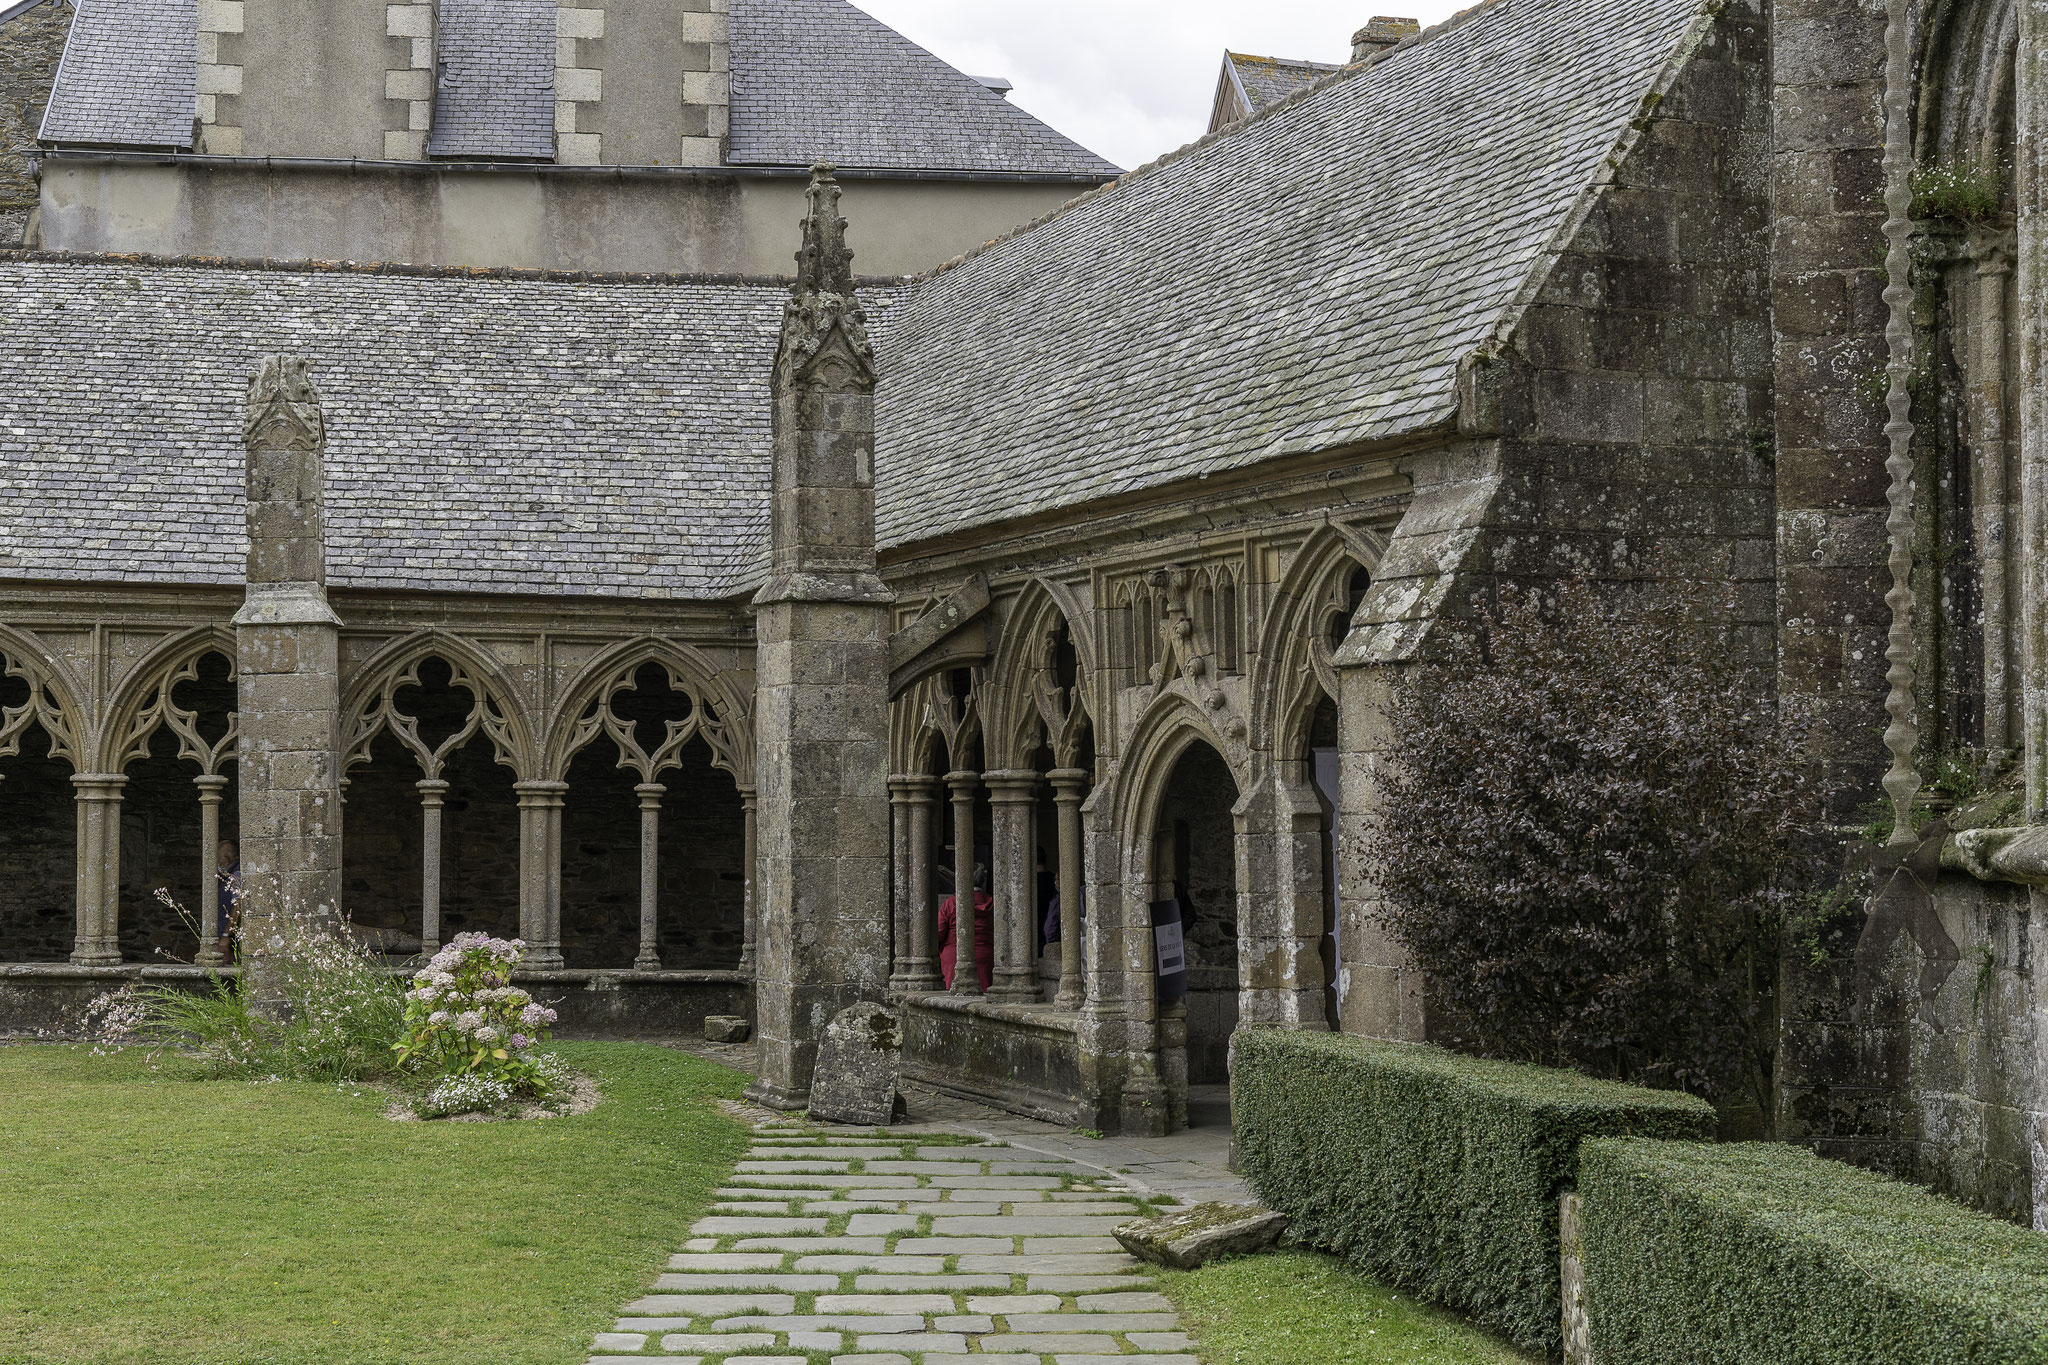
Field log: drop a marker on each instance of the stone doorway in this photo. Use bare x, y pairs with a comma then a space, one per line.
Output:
1194, 865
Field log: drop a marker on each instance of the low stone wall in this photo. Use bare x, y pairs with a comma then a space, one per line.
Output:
1022, 1058
49, 1000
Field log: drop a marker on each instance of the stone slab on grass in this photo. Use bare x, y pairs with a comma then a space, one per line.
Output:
1190, 1238
726, 1028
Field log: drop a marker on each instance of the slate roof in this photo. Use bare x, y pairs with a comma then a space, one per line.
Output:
820, 80
1307, 279
1268, 80
496, 95
128, 76
486, 434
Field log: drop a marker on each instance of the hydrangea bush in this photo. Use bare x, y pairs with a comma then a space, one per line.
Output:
465, 1018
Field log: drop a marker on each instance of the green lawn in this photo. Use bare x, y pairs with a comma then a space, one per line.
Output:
1302, 1308
158, 1220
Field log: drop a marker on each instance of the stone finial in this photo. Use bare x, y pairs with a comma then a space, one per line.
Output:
284, 438
284, 407
824, 332
1379, 34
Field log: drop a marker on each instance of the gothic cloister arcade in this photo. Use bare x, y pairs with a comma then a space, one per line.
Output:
612, 830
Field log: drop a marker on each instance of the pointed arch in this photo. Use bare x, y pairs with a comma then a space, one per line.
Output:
1024, 700
510, 727
140, 704
719, 717
1294, 667
55, 701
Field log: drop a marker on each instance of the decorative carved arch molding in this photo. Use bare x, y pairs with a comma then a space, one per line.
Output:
1968, 80
1127, 806
51, 701
372, 709
591, 711
1183, 626
1027, 703
1297, 648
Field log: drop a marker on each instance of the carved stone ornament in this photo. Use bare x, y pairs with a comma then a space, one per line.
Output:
956, 718
162, 710
824, 332
1064, 710
702, 721
42, 709
284, 407
381, 713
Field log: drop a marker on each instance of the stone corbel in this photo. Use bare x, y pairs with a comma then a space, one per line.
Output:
2000, 855
953, 634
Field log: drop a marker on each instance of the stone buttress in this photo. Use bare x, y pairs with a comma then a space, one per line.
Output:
289, 693
822, 622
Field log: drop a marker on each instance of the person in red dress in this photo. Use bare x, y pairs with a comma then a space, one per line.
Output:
984, 932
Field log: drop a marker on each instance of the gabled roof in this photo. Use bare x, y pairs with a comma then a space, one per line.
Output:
818, 80
1307, 280
1268, 80
496, 95
486, 433
128, 76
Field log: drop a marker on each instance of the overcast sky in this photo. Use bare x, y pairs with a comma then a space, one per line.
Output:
1131, 79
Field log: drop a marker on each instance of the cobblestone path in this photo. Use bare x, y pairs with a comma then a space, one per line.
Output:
904, 1250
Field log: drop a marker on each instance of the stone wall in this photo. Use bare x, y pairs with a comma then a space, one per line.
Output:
1621, 434
29, 48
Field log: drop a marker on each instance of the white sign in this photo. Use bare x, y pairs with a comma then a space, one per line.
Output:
1173, 957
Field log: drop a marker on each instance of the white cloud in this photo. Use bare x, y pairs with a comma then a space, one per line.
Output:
1131, 79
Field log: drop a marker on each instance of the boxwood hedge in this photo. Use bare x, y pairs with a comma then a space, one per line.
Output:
1764, 1254
1432, 1171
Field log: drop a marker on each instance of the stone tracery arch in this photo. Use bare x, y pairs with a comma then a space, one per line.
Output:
590, 712
1296, 667
54, 700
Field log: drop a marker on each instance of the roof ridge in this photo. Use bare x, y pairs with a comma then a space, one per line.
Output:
309, 266
1341, 74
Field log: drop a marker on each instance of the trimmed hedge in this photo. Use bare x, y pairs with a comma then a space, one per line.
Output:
1764, 1254
1432, 1171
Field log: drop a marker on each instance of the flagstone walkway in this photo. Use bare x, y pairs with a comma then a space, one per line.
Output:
857, 1247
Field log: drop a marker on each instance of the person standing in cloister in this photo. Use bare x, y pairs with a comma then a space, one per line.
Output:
984, 931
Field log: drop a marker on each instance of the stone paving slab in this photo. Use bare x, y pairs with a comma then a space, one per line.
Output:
925, 1255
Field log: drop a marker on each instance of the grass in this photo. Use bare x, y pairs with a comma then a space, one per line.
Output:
151, 1219
1293, 1307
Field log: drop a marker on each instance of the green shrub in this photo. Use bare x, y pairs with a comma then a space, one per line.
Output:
1434, 1172
1763, 1254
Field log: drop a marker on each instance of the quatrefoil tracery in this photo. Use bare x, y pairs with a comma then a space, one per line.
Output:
163, 710
601, 717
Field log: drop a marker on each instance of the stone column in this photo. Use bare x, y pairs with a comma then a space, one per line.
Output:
650, 794
1070, 788
748, 882
1013, 795
921, 972
540, 872
433, 792
98, 940
210, 785
288, 673
899, 882
822, 626
966, 980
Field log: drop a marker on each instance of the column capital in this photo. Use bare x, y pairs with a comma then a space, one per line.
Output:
650, 794
963, 781
539, 794
99, 786
915, 787
210, 785
1014, 786
1072, 782
432, 790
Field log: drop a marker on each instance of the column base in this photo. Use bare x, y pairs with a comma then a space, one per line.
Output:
1069, 1001
921, 975
647, 962
1014, 992
769, 1095
544, 959
96, 957
212, 959
1142, 1111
